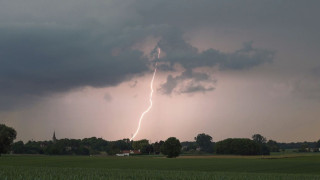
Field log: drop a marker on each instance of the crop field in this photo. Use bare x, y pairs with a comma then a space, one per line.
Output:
300, 166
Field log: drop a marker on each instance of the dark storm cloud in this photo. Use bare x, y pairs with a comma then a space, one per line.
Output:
178, 51
244, 14
37, 61
56, 46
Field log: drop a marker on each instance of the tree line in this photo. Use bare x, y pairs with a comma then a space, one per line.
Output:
172, 147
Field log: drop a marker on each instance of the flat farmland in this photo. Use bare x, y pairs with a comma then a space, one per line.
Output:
299, 166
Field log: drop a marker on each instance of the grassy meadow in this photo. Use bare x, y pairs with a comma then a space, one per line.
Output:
291, 166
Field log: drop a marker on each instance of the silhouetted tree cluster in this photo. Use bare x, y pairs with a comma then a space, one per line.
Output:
157, 147
237, 146
189, 146
85, 146
304, 147
171, 147
115, 147
301, 146
143, 145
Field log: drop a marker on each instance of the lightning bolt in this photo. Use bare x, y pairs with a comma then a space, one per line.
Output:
150, 98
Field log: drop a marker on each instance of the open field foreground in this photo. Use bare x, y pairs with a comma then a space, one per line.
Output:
223, 167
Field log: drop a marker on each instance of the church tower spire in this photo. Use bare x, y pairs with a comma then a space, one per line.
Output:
54, 139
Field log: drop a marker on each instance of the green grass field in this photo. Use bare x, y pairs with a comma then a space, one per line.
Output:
295, 166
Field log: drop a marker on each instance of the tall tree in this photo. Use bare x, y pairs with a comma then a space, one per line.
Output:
7, 135
171, 147
258, 138
264, 149
205, 142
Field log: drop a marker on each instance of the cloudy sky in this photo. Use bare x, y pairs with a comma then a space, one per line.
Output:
226, 68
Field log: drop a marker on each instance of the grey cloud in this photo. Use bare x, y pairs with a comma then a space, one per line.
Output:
78, 43
170, 84
39, 60
179, 13
191, 88
178, 51
36, 61
188, 82
244, 14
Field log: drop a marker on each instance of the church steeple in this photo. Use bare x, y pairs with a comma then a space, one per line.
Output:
54, 139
